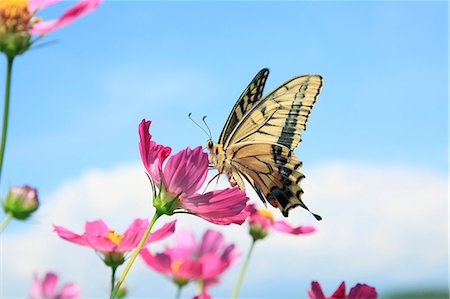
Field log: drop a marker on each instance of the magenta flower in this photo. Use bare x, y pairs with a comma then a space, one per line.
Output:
262, 220
112, 245
359, 291
181, 178
46, 288
189, 260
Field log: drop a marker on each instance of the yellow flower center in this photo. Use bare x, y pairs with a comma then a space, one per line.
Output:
114, 237
14, 16
175, 266
266, 213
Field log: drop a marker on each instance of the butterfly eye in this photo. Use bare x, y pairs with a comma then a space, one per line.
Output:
210, 144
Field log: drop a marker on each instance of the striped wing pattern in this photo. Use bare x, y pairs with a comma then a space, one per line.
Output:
249, 97
273, 170
281, 115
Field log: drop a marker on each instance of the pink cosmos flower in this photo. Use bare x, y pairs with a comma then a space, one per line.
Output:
98, 236
80, 8
189, 260
182, 177
359, 291
46, 288
262, 220
23, 12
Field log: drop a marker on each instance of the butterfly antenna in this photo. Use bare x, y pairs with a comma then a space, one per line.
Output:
209, 130
189, 115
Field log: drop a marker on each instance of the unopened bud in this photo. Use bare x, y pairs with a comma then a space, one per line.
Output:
21, 202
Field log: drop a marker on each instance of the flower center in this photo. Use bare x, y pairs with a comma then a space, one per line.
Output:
175, 266
114, 237
266, 213
14, 16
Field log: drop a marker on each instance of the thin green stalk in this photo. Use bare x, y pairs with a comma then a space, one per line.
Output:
178, 294
5, 221
113, 278
242, 274
134, 255
6, 110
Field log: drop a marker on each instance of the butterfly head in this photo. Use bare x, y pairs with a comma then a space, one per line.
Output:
215, 153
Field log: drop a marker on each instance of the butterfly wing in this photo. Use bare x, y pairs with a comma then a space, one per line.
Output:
273, 170
260, 145
280, 116
249, 97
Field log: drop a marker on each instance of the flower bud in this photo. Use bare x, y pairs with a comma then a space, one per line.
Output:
21, 202
166, 203
114, 259
257, 231
122, 292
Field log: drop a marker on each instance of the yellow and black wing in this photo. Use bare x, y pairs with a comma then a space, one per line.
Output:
260, 145
249, 97
273, 170
280, 116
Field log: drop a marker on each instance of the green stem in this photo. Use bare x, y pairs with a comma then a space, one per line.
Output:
244, 269
177, 296
113, 278
5, 221
6, 110
134, 255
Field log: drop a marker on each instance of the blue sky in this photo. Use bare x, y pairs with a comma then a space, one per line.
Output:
76, 103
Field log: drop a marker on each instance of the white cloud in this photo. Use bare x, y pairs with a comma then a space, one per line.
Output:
384, 225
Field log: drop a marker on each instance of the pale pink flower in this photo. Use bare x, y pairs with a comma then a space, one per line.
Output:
189, 260
359, 291
98, 236
182, 177
78, 9
262, 220
46, 288
20, 15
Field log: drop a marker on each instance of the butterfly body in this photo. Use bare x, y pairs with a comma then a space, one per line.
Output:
260, 135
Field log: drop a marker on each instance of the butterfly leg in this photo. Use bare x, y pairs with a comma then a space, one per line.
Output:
216, 176
235, 179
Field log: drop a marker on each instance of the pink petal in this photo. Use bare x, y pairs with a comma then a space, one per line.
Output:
49, 284
36, 288
230, 254
186, 246
221, 206
211, 265
212, 241
152, 154
95, 228
340, 292
94, 236
316, 291
77, 10
189, 269
186, 171
69, 291
34, 5
100, 243
160, 262
166, 230
132, 235
284, 227
362, 291
69, 236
